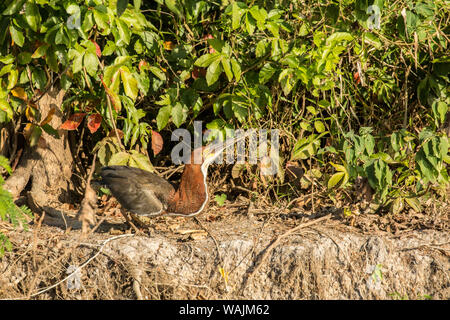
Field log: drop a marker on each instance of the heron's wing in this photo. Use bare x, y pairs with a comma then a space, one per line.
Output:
138, 191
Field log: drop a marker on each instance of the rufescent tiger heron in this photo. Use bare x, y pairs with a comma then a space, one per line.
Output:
144, 194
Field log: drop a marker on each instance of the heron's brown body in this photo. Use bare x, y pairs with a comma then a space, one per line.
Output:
146, 194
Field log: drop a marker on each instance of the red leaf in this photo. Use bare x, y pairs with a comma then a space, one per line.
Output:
143, 64
157, 142
94, 121
198, 73
73, 122
356, 77
97, 49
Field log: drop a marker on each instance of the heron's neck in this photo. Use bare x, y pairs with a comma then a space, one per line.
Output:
192, 193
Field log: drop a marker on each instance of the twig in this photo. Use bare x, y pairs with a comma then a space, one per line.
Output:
210, 234
222, 261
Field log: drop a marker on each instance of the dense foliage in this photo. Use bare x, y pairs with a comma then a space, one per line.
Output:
356, 87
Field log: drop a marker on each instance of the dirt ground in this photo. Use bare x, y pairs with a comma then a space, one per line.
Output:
233, 252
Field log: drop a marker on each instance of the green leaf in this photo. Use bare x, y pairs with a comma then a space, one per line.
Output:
40, 52
312, 110
414, 203
60, 37
178, 114
62, 56
173, 6
4, 163
129, 82
50, 130
7, 59
4, 106
217, 44
16, 35
77, 64
274, 28
158, 72
109, 48
88, 23
39, 78
324, 104
163, 117
6, 69
35, 135
90, 62
220, 199
306, 147
304, 30
32, 15
216, 124
101, 17
260, 15
213, 72
369, 142
14, 7
137, 5
287, 81
250, 24
373, 40
12, 79
335, 179
319, 126
240, 112
338, 37
441, 110
261, 48
140, 161
205, 60
51, 59
266, 73
339, 167
305, 126
397, 205
124, 33
236, 16
426, 168
443, 146
121, 6
119, 159
143, 82
227, 68
66, 82
236, 67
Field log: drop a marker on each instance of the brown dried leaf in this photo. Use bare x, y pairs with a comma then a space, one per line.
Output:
94, 121
157, 142
73, 122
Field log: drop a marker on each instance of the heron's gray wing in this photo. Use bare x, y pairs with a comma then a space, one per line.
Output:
138, 191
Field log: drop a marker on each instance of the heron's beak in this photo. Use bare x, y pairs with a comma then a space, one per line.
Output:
213, 150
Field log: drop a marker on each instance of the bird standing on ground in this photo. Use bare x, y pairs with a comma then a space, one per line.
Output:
145, 194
